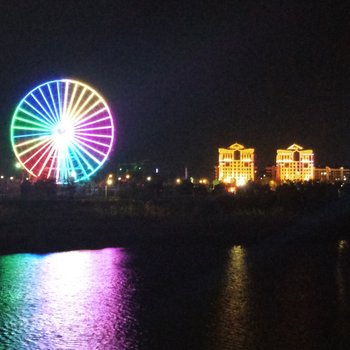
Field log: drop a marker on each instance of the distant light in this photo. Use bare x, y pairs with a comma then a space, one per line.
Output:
157, 170
231, 189
241, 181
127, 176
110, 176
11, 178
109, 182
178, 180
120, 169
27, 178
149, 178
119, 178
18, 165
2, 176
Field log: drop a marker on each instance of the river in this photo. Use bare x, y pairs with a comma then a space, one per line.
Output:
294, 296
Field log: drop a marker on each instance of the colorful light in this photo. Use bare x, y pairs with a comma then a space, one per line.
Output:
60, 128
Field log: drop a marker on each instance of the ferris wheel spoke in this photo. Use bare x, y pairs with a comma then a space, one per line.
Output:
66, 90
96, 121
53, 157
79, 153
70, 159
26, 128
31, 135
78, 102
91, 156
82, 115
43, 121
48, 148
28, 142
47, 144
47, 104
59, 99
49, 120
77, 158
28, 121
67, 165
43, 108
92, 141
97, 128
77, 113
54, 104
79, 122
38, 144
92, 148
71, 99
94, 135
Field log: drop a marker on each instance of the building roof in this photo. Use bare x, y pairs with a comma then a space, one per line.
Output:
295, 147
236, 146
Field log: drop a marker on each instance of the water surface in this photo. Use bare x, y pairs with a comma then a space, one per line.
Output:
181, 297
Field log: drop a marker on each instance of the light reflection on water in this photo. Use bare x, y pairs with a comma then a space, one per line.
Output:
71, 300
232, 321
178, 297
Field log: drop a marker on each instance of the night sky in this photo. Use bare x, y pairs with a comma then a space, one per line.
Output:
183, 80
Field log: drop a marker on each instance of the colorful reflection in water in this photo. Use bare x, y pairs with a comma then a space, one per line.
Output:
178, 297
70, 300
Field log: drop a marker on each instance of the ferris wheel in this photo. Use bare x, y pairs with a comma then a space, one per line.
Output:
62, 130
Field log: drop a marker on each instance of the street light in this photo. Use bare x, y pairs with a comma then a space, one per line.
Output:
109, 182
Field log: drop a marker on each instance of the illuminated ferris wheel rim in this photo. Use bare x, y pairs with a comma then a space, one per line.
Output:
64, 84
65, 80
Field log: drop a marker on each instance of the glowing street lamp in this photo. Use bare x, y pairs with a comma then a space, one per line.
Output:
109, 182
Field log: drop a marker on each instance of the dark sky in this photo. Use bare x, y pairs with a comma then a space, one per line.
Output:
185, 79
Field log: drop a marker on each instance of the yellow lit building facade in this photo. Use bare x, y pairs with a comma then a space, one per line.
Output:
295, 164
236, 164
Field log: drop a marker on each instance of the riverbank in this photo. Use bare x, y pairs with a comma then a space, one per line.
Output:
45, 226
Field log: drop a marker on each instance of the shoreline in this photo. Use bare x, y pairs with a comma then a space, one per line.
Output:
48, 226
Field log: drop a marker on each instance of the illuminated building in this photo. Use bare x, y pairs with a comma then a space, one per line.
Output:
236, 164
295, 164
329, 174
